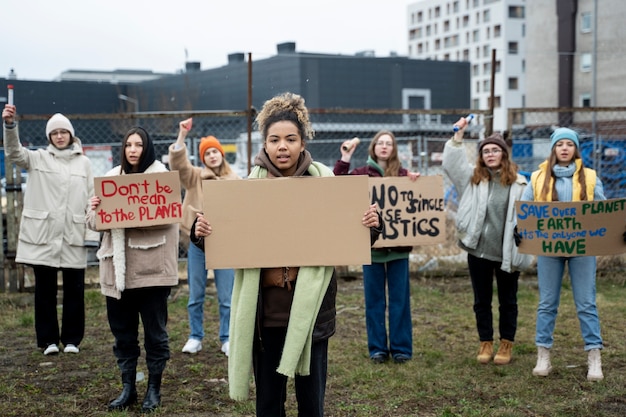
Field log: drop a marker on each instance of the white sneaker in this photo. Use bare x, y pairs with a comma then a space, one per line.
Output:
595, 366
51, 350
70, 348
544, 367
226, 348
192, 346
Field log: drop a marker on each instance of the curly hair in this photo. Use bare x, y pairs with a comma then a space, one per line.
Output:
285, 107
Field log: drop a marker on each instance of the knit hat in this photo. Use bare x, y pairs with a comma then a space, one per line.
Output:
563, 133
58, 121
495, 139
210, 142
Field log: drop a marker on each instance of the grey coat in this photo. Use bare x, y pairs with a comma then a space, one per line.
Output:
473, 206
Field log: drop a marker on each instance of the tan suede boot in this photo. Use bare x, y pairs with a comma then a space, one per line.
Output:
485, 352
505, 352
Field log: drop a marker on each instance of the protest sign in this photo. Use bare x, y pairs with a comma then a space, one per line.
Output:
577, 228
413, 211
295, 221
138, 200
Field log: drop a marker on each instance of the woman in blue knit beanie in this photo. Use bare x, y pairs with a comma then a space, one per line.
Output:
563, 177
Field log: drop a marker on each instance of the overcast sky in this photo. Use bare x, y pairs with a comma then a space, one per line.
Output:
43, 38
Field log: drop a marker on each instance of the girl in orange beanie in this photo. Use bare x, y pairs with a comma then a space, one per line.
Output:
214, 167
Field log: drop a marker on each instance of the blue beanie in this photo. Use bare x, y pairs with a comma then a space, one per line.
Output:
563, 133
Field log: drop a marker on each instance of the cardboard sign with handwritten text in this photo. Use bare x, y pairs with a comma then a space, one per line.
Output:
413, 211
578, 228
138, 200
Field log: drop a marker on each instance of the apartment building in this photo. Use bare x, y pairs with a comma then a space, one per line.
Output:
470, 30
571, 63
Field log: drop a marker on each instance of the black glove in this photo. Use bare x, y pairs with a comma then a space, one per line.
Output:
518, 237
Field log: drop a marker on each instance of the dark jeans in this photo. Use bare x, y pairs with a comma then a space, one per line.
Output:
482, 271
73, 315
271, 387
151, 304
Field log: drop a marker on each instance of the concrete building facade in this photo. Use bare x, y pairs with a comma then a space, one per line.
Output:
469, 30
570, 62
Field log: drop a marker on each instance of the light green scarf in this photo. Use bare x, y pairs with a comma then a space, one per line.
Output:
312, 283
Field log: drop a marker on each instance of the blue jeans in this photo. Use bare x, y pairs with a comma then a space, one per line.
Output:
582, 272
197, 277
395, 276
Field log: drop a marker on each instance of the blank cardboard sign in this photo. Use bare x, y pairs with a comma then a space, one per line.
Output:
295, 221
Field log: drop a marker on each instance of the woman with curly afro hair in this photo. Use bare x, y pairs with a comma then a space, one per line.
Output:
282, 317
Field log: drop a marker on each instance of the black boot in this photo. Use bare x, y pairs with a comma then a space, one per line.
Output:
128, 396
152, 399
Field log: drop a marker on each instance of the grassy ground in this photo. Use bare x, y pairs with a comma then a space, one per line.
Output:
442, 380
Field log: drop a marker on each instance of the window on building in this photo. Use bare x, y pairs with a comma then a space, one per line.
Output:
477, 17
477, 52
496, 31
420, 48
475, 3
523, 66
486, 16
513, 48
497, 66
516, 12
428, 30
437, 11
475, 70
486, 85
435, 29
475, 35
465, 21
513, 83
419, 17
466, 55
418, 33
488, 33
446, 26
486, 51
586, 23
487, 68
585, 100
496, 101
585, 62
437, 44
446, 57
476, 103
455, 6
478, 86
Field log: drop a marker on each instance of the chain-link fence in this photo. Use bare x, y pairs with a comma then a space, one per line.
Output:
421, 136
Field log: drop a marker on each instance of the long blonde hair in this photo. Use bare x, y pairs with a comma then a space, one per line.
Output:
549, 175
393, 163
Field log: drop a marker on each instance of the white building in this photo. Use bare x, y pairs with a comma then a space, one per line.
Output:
469, 30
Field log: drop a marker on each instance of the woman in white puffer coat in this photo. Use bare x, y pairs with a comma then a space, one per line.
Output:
52, 227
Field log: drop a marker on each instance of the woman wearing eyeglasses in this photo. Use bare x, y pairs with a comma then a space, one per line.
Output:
386, 282
485, 224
